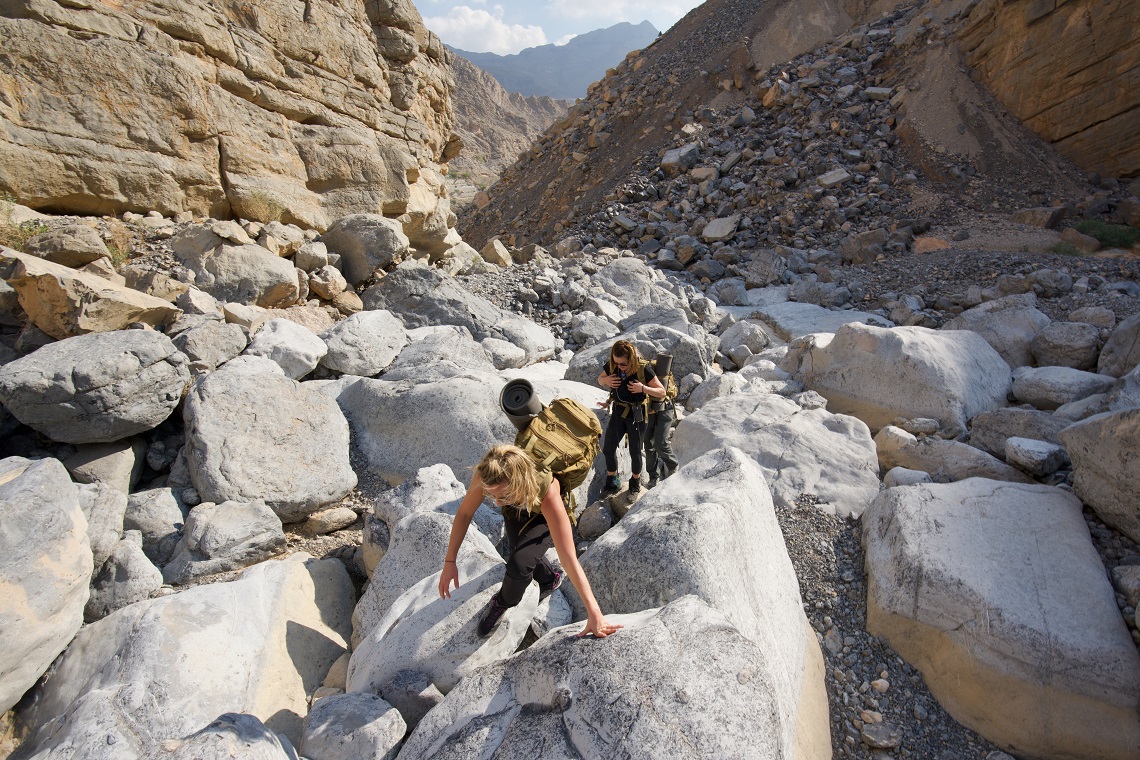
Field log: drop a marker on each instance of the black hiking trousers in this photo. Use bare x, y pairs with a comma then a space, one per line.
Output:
658, 449
529, 537
618, 427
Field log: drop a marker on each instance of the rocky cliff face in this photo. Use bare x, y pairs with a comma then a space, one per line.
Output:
1068, 70
494, 125
307, 111
786, 76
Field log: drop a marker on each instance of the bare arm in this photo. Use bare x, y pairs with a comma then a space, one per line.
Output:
653, 389
471, 501
563, 535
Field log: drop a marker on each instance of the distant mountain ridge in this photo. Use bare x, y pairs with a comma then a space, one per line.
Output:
564, 71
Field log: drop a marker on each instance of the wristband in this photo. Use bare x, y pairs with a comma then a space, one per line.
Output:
449, 561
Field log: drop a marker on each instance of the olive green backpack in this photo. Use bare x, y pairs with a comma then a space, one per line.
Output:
564, 439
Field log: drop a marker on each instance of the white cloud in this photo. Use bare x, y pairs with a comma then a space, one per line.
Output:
482, 32
563, 40
622, 10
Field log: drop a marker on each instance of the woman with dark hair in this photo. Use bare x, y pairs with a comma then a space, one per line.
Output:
534, 518
632, 383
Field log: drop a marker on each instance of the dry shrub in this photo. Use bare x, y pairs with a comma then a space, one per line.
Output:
120, 242
259, 206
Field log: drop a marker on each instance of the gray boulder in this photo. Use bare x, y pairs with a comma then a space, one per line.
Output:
711, 530
104, 508
421, 296
945, 461
879, 374
263, 436
364, 344
1038, 458
989, 430
158, 516
1121, 354
73, 245
117, 464
96, 387
802, 452
717, 386
45, 569
996, 593
792, 319
212, 343
437, 353
1051, 387
1008, 324
1104, 451
436, 637
353, 727
223, 537
418, 546
400, 426
365, 243
259, 644
231, 735
246, 274
631, 695
1066, 344
126, 577
296, 349
631, 283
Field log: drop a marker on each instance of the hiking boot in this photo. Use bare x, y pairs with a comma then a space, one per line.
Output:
492, 617
613, 484
650, 483
634, 486
546, 589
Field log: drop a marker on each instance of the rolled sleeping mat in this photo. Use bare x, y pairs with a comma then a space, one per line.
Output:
663, 365
520, 403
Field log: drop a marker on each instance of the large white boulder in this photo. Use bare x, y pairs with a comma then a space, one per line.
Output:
679, 682
878, 374
401, 426
423, 296
355, 726
257, 645
711, 530
801, 451
418, 546
247, 274
365, 243
943, 460
630, 282
1105, 451
793, 319
364, 344
1008, 324
296, 349
97, 387
222, 537
45, 569
263, 436
436, 637
1121, 354
1052, 387
997, 594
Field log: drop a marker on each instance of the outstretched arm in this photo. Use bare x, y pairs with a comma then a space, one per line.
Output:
563, 535
467, 507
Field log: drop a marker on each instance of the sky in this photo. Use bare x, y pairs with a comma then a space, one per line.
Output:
508, 26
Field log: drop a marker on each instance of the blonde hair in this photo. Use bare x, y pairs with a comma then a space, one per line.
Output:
624, 348
513, 467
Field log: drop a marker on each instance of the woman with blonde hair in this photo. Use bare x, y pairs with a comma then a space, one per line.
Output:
534, 518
